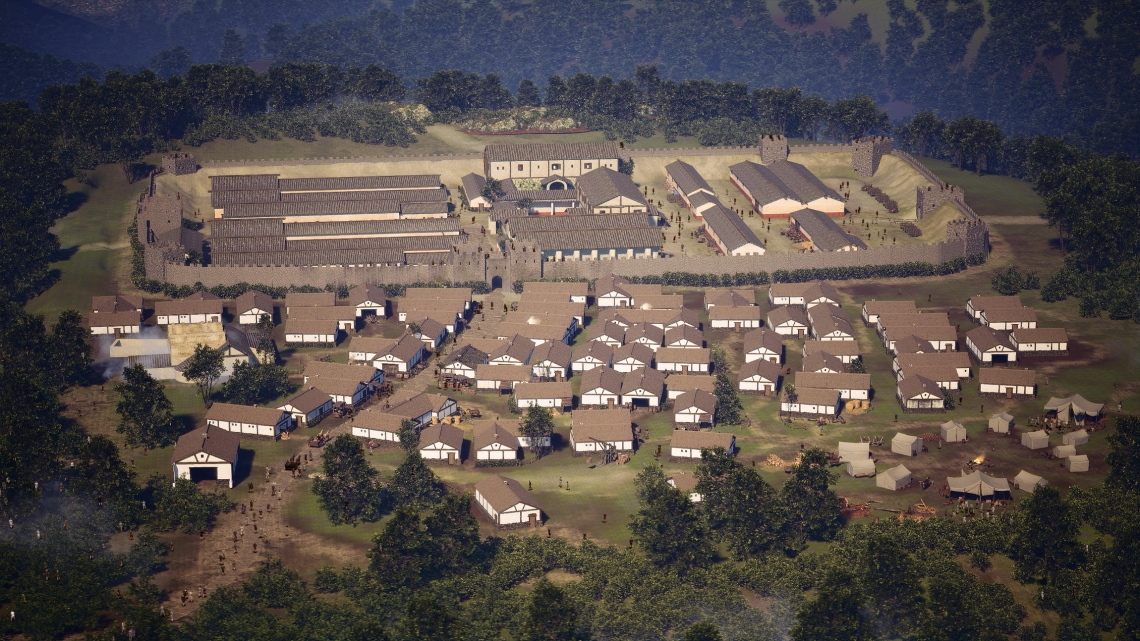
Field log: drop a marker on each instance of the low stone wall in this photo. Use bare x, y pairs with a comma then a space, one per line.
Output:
935, 254
333, 160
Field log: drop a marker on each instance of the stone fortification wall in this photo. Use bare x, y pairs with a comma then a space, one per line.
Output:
820, 148
935, 254
331, 160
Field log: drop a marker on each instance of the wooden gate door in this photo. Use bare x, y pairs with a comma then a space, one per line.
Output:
1009, 392
533, 520
451, 458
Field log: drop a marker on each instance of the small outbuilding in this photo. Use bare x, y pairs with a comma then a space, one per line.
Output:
1001, 423
978, 484
1079, 437
308, 407
1028, 482
906, 444
953, 432
1074, 408
1077, 463
1038, 440
688, 445
686, 484
375, 425
854, 451
896, 478
1064, 451
599, 430
507, 502
863, 468
209, 453
759, 376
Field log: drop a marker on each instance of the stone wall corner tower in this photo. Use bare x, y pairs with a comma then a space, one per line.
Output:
867, 152
773, 148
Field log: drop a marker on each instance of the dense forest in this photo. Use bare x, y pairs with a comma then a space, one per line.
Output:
1058, 67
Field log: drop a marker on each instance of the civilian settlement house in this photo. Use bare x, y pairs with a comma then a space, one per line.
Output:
495, 440
598, 430
813, 402
209, 453
759, 376
806, 295
441, 442
687, 445
989, 346
251, 306
308, 407
1007, 382
115, 315
543, 160
872, 309
1041, 340
507, 502
694, 409
368, 300
763, 345
777, 189
919, 394
199, 307
250, 421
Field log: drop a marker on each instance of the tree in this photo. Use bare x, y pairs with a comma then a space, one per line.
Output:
453, 535
1045, 536
252, 384
427, 619
276, 39
812, 508
233, 49
409, 436
972, 139
400, 551
350, 490
888, 579
146, 415
182, 506
728, 405
856, 117
923, 133
550, 615
538, 426
275, 586
1011, 281
799, 12
171, 62
779, 107
414, 484
70, 351
266, 349
101, 473
667, 526
813, 111
1124, 455
204, 368
376, 84
835, 613
702, 631
742, 509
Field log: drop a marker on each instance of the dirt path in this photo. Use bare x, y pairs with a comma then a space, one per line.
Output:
217, 559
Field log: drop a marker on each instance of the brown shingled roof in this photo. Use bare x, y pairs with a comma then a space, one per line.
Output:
212, 440
504, 493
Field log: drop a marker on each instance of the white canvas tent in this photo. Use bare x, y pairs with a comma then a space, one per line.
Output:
1077, 463
977, 484
1038, 440
1001, 423
953, 432
906, 444
1075, 407
1079, 437
1063, 451
895, 478
864, 467
1027, 482
854, 451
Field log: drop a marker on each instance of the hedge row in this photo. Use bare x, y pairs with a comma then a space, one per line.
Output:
230, 292
517, 286
745, 279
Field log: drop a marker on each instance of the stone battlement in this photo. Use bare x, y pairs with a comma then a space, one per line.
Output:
179, 164
773, 149
867, 152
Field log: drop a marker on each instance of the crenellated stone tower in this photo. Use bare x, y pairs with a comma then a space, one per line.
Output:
773, 149
867, 152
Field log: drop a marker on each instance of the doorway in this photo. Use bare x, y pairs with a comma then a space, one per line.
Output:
533, 520
451, 458
199, 474
496, 282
